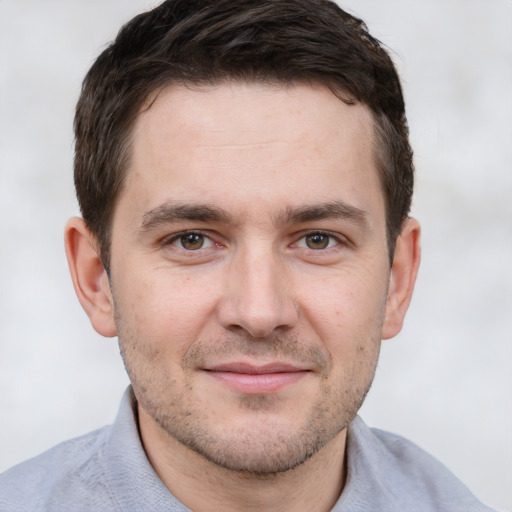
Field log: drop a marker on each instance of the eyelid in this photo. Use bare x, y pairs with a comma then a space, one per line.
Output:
340, 239
171, 239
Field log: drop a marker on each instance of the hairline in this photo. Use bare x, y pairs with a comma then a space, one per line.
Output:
124, 156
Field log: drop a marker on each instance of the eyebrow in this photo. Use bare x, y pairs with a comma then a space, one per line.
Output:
171, 211
331, 210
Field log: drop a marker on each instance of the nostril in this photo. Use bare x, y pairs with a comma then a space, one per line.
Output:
261, 324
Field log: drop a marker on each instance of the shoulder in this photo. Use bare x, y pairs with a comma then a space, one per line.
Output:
405, 474
72, 468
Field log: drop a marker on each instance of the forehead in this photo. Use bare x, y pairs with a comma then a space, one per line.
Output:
252, 109
247, 142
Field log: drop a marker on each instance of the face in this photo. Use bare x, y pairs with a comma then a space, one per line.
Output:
249, 270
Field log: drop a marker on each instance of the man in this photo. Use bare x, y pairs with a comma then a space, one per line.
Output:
245, 179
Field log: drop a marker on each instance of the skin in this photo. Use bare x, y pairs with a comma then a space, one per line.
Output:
250, 289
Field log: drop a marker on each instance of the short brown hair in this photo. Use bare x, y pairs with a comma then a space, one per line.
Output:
210, 41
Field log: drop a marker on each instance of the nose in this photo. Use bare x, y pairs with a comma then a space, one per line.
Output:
258, 295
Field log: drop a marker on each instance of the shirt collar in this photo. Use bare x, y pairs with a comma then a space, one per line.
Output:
136, 486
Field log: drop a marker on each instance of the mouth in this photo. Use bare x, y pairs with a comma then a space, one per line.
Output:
255, 379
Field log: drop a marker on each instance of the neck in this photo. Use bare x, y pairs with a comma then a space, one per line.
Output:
205, 487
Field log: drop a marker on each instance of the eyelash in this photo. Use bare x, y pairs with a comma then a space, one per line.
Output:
339, 241
178, 236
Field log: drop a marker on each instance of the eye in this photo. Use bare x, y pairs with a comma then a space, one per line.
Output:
191, 241
318, 241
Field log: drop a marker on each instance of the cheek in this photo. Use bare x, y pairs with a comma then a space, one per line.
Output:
346, 305
161, 310
347, 314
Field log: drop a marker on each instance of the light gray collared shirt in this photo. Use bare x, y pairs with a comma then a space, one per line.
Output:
107, 470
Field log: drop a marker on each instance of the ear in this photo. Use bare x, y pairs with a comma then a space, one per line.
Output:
403, 276
89, 277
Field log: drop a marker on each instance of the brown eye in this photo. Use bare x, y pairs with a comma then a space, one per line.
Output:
192, 241
317, 241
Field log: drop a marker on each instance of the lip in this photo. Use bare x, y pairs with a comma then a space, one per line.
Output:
256, 379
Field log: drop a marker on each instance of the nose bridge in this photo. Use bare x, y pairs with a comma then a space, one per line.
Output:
259, 295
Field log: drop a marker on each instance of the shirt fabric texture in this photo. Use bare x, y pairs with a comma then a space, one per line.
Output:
107, 470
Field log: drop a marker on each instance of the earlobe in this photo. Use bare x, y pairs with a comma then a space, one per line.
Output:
403, 277
89, 277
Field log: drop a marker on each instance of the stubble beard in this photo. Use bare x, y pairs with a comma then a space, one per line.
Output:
265, 447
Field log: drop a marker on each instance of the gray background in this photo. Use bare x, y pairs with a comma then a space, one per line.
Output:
445, 382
